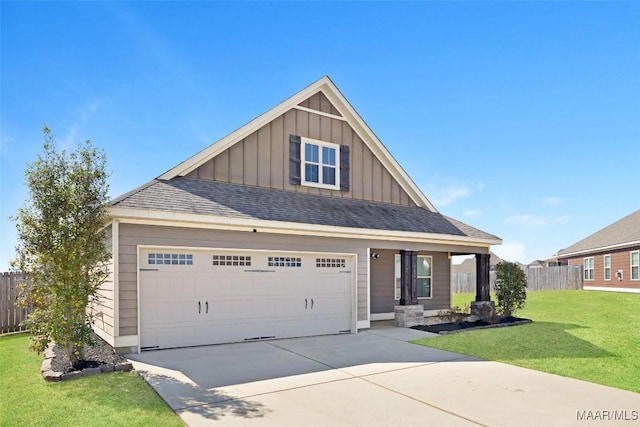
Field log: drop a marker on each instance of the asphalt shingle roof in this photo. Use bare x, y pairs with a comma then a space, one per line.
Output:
202, 197
625, 230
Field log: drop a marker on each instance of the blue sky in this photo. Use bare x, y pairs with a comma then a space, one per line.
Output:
519, 118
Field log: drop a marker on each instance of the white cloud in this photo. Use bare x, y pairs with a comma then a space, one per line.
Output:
68, 141
528, 220
511, 251
552, 200
444, 195
90, 109
472, 213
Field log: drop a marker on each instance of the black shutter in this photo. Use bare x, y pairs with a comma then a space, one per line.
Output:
294, 160
344, 168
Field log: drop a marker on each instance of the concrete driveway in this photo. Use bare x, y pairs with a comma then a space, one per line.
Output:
373, 378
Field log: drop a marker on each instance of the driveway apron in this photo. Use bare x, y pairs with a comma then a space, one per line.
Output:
373, 378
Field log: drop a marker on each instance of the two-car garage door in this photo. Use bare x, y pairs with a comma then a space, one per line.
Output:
198, 297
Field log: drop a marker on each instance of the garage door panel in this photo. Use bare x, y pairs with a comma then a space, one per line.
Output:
240, 302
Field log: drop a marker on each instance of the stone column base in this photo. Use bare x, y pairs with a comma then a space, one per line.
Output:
407, 316
485, 310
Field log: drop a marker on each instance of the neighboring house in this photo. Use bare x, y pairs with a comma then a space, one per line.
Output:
537, 264
610, 258
469, 265
299, 223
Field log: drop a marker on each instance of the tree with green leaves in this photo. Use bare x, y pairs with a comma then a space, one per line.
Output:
510, 287
61, 244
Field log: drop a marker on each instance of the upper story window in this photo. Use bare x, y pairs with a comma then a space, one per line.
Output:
320, 164
588, 268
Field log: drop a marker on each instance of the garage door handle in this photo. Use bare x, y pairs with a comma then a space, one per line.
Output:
206, 304
311, 303
198, 307
305, 303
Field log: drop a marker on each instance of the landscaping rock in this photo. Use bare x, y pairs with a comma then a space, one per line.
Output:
124, 367
91, 371
107, 368
70, 375
97, 359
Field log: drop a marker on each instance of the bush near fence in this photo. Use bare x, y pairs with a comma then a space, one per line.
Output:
11, 316
538, 279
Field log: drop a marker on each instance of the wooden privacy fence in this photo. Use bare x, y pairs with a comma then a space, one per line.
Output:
11, 316
538, 279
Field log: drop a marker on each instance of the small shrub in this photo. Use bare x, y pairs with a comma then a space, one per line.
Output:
455, 314
510, 287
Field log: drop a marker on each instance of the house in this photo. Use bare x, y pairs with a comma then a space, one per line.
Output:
299, 223
469, 265
538, 263
609, 258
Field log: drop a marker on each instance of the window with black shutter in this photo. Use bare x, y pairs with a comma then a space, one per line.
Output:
319, 164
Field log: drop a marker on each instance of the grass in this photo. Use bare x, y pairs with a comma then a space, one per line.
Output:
119, 398
588, 335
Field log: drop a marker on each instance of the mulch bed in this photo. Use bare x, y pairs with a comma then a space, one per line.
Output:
452, 327
98, 358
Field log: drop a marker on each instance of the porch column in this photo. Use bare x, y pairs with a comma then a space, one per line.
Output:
408, 277
409, 312
483, 287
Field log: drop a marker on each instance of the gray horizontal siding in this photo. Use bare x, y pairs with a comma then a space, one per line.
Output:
381, 279
382, 282
133, 235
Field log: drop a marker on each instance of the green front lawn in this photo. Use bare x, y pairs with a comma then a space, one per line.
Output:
588, 335
116, 399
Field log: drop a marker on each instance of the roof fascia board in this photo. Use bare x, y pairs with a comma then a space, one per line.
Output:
599, 249
149, 217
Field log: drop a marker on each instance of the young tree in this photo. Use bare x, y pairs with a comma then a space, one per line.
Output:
61, 244
510, 287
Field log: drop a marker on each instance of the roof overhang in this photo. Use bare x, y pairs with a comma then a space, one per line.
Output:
329, 89
599, 249
175, 219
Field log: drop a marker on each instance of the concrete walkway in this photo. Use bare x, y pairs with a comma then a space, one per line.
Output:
373, 378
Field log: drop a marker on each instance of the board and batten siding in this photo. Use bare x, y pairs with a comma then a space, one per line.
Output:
104, 308
383, 282
133, 235
262, 159
320, 102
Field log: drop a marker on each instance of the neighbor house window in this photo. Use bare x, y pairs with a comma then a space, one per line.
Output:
635, 265
607, 267
320, 167
588, 268
424, 276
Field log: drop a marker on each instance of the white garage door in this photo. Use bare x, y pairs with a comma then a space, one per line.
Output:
215, 296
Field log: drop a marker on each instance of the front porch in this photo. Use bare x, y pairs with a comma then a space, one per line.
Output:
408, 286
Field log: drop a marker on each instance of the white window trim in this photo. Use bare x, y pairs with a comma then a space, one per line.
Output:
604, 270
631, 265
584, 268
419, 277
303, 161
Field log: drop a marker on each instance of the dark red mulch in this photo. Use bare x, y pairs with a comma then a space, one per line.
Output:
443, 328
94, 356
